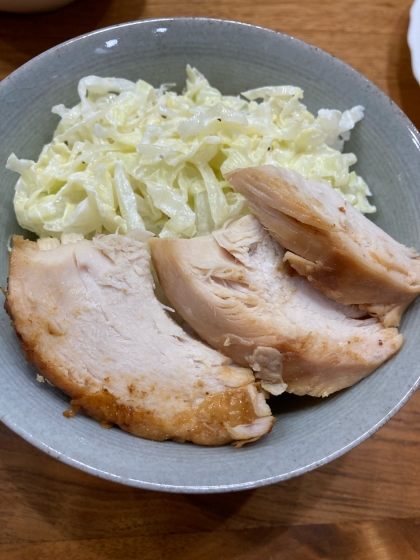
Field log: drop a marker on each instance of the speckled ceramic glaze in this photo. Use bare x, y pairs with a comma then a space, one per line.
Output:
235, 57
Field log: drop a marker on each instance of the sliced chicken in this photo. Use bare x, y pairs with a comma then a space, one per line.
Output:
338, 249
88, 319
235, 290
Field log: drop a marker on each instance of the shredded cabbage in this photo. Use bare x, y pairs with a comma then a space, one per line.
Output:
131, 157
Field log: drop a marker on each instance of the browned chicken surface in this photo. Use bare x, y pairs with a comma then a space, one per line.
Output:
235, 290
87, 317
339, 250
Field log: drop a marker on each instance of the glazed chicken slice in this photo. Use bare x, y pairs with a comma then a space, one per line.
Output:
88, 319
235, 290
339, 250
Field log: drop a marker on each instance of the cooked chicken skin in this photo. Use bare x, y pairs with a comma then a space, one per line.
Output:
338, 249
235, 290
88, 319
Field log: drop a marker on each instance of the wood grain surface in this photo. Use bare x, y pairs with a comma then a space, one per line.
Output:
365, 505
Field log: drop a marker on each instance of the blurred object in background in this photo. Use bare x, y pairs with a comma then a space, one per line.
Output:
26, 6
414, 38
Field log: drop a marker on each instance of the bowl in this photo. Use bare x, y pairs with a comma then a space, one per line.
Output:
234, 57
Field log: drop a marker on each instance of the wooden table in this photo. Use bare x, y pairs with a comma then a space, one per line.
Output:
365, 505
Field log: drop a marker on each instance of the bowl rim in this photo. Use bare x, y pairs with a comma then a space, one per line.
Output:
208, 489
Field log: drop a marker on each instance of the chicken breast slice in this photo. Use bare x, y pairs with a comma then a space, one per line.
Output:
339, 250
88, 319
235, 290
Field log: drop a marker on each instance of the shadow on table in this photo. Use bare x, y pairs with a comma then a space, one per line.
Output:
24, 36
64, 504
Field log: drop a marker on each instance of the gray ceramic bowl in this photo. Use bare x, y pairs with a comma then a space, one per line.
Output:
235, 57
